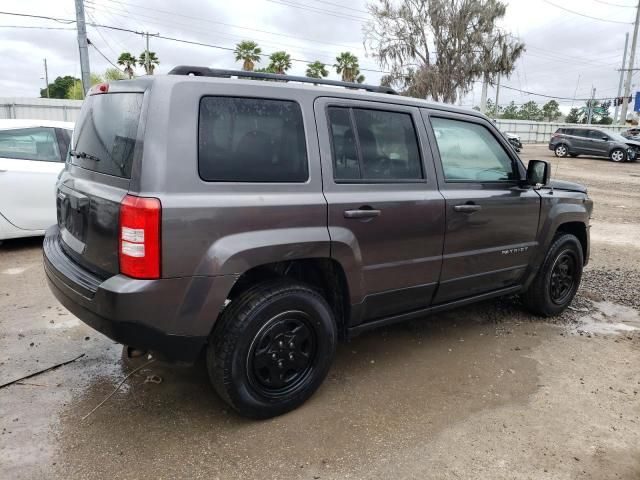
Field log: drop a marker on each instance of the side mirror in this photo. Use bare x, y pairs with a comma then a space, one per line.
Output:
538, 173
605, 138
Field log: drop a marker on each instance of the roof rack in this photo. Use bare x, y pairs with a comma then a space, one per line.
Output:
215, 72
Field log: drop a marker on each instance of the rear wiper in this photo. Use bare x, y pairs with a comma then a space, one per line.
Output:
86, 155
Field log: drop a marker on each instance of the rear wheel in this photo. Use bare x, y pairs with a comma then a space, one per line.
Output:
561, 150
618, 155
272, 348
558, 279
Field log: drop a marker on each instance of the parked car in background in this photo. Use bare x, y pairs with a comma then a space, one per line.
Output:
262, 221
595, 142
632, 133
32, 154
514, 140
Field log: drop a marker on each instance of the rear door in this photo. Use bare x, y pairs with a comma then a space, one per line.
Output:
105, 141
491, 222
30, 161
386, 217
598, 144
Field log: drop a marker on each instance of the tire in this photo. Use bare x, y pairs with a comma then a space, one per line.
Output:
618, 155
272, 348
561, 150
543, 297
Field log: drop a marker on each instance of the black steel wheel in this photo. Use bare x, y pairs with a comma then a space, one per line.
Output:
282, 354
558, 278
271, 348
563, 276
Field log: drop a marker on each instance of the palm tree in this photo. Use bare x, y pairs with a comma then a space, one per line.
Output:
317, 69
153, 61
347, 66
249, 52
128, 61
280, 62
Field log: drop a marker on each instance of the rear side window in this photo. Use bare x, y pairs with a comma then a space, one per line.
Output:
251, 140
30, 144
106, 132
373, 145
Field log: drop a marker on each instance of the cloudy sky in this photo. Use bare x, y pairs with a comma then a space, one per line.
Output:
567, 54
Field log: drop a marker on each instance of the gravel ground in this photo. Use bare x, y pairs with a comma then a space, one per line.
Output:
485, 392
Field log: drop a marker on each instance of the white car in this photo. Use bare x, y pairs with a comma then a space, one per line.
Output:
32, 154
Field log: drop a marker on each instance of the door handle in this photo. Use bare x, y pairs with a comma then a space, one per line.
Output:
468, 208
362, 213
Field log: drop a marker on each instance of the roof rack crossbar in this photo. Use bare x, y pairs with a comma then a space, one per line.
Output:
215, 72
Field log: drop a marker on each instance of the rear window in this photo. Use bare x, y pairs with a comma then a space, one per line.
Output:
251, 140
30, 144
107, 129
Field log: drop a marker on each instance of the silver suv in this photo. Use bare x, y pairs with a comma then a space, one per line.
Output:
594, 142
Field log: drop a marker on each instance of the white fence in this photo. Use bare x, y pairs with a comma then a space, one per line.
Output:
540, 132
40, 108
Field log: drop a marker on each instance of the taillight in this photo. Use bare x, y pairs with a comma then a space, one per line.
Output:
99, 88
139, 237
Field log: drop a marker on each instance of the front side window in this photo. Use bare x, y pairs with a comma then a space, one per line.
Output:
30, 144
251, 140
470, 153
597, 135
373, 145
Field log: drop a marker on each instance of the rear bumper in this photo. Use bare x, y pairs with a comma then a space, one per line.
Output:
172, 317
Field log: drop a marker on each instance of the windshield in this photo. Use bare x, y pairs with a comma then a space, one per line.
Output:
615, 136
105, 135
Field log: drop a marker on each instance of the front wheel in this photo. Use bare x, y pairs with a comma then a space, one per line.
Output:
272, 348
618, 155
558, 279
561, 150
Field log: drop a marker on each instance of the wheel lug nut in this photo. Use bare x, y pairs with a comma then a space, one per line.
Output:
281, 344
274, 356
291, 356
291, 345
280, 364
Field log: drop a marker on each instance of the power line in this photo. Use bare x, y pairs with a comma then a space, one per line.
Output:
105, 57
614, 4
60, 20
586, 16
331, 13
342, 6
37, 28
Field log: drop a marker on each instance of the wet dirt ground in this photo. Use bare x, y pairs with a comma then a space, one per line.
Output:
487, 391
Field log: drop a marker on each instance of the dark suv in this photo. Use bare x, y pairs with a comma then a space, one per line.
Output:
261, 221
594, 142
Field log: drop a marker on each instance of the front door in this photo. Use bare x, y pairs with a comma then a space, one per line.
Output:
30, 162
385, 214
491, 221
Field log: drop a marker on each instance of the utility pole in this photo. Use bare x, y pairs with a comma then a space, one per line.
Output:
83, 46
591, 102
627, 85
497, 106
483, 96
147, 58
624, 64
46, 76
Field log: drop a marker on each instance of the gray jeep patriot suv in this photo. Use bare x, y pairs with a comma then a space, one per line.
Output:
261, 219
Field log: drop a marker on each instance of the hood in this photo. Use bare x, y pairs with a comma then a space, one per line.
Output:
511, 135
633, 142
568, 186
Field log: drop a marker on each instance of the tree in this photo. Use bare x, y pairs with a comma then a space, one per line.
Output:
128, 61
491, 109
510, 112
280, 62
551, 111
347, 65
153, 61
113, 74
59, 87
573, 116
249, 53
317, 69
530, 111
75, 92
437, 48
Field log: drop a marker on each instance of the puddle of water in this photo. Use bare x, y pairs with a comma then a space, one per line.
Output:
14, 271
610, 319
